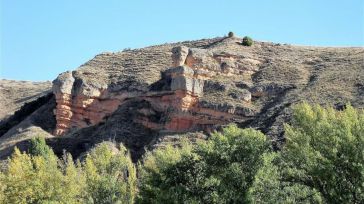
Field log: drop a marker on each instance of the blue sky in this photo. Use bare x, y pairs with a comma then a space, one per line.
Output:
41, 38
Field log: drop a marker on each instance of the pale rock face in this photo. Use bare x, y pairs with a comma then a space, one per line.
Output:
228, 66
186, 79
248, 65
202, 59
90, 90
63, 83
269, 89
179, 55
216, 63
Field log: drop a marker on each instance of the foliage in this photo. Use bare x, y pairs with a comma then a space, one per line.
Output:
220, 170
38, 179
151, 175
105, 177
231, 34
38, 147
321, 162
269, 181
247, 41
110, 176
325, 150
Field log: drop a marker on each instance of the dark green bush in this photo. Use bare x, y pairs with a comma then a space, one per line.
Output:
231, 34
38, 147
247, 41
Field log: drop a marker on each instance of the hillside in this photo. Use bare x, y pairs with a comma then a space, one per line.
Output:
156, 95
15, 94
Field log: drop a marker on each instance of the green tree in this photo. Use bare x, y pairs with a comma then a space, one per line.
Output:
152, 176
322, 160
110, 175
219, 170
105, 177
247, 41
38, 147
74, 179
270, 187
2, 188
231, 34
325, 150
38, 179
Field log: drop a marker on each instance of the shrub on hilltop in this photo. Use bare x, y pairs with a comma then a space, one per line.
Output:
247, 41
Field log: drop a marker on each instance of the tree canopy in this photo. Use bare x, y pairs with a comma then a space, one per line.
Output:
322, 161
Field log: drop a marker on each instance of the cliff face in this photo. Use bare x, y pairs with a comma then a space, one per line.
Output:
151, 96
176, 94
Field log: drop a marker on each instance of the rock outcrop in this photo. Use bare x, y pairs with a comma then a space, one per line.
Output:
177, 94
79, 104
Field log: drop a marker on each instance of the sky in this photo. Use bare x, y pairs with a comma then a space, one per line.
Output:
41, 38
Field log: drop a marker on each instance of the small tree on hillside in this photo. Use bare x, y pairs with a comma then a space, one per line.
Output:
231, 34
38, 147
247, 41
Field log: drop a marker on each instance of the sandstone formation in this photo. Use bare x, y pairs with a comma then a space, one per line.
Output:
81, 104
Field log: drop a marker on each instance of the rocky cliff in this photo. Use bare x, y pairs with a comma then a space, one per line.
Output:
150, 96
177, 94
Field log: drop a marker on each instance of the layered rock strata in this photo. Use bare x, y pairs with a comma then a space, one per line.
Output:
82, 103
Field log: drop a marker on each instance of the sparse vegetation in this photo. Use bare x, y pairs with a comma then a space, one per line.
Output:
247, 41
321, 162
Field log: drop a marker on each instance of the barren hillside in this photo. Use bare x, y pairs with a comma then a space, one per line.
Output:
15, 94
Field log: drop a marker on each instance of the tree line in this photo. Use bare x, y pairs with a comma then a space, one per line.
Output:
322, 161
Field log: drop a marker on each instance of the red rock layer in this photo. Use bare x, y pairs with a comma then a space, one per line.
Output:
81, 111
180, 105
